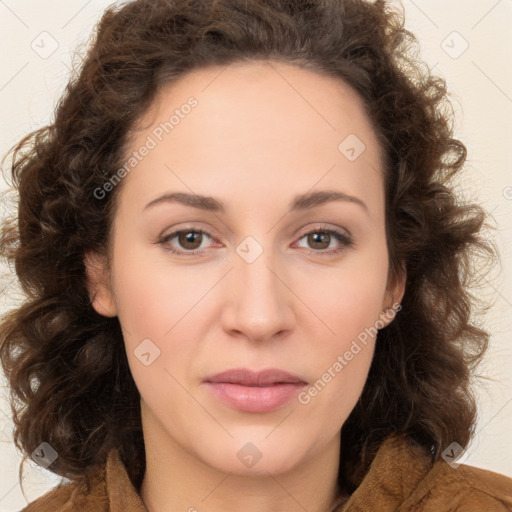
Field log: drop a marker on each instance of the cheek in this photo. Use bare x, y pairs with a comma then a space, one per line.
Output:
153, 295
348, 330
348, 298
341, 357
158, 318
159, 306
347, 303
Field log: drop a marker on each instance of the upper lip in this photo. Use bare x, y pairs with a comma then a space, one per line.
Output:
246, 377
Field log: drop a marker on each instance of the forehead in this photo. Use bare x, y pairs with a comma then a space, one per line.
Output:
264, 124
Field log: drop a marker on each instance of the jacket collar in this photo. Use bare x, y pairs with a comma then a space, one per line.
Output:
394, 475
122, 495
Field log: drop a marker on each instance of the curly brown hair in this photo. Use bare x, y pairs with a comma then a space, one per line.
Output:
70, 381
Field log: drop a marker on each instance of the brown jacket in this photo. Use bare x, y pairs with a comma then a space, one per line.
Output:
400, 479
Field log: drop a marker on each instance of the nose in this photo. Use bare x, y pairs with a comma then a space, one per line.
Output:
259, 303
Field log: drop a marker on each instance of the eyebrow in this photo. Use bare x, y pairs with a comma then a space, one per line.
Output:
299, 202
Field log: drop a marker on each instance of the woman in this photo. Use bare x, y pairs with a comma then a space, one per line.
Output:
247, 274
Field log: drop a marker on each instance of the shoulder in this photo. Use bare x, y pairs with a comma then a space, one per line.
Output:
103, 488
58, 498
72, 497
441, 486
464, 488
403, 478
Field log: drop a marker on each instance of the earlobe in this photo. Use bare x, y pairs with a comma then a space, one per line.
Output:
98, 284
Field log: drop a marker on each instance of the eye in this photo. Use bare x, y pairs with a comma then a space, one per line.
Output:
321, 238
188, 238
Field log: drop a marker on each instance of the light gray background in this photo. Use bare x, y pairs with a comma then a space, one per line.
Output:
479, 77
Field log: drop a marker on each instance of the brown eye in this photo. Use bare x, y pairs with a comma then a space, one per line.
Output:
319, 240
188, 241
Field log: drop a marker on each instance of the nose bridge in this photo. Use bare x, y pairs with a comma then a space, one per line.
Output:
259, 300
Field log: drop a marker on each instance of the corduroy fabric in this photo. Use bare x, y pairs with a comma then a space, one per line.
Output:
401, 478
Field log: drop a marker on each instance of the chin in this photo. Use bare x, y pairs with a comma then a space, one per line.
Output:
256, 454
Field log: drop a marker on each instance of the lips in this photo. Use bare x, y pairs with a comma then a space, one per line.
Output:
263, 378
255, 392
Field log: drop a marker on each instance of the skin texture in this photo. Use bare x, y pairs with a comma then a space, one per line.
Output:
261, 134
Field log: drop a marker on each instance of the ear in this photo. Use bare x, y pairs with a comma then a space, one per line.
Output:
98, 284
393, 296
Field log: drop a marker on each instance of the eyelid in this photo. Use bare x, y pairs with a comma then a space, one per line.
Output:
190, 227
322, 226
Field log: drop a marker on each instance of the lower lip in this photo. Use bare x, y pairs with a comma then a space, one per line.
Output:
255, 398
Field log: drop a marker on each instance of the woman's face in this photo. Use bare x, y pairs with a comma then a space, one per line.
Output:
256, 282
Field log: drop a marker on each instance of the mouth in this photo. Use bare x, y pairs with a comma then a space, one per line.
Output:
255, 391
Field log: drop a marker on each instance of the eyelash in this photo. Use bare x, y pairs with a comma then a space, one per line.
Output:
346, 241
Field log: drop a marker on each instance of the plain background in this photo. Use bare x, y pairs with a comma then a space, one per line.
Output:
466, 42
